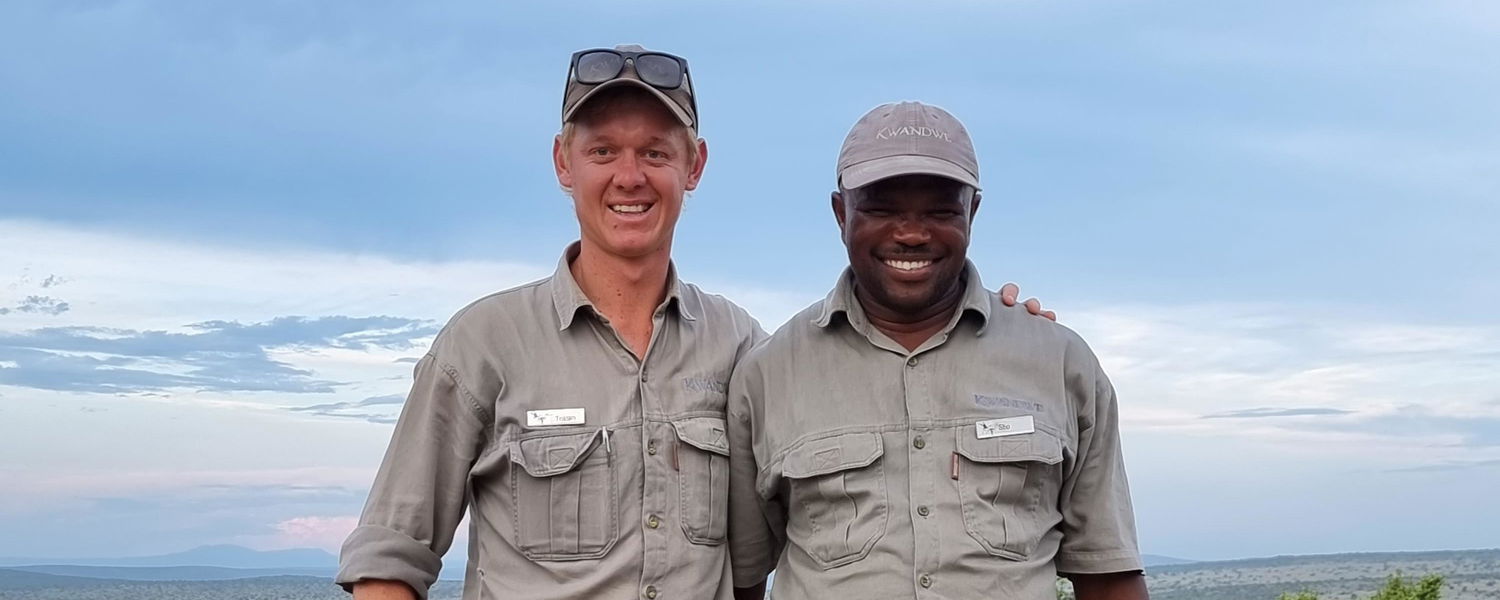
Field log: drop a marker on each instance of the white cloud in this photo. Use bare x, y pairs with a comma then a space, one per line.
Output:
1392, 395
114, 280
327, 533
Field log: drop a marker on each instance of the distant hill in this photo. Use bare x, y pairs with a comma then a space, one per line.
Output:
236, 557
1157, 560
14, 586
181, 573
1469, 574
11, 579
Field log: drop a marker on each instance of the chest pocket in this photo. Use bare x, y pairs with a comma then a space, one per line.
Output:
838, 497
564, 497
1002, 484
703, 478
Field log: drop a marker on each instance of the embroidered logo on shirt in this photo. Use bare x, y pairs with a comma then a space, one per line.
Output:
554, 417
1003, 402
705, 385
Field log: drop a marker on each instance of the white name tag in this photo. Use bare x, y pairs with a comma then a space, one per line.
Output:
554, 417
1003, 427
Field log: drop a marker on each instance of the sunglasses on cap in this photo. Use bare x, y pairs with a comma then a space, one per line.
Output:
657, 69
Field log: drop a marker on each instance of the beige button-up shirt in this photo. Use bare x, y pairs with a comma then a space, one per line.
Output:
977, 466
586, 473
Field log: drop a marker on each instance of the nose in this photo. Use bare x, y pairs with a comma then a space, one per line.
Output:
910, 231
628, 173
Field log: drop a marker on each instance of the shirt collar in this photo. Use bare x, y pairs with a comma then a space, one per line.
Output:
842, 300
568, 298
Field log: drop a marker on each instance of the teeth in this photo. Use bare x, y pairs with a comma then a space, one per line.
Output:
629, 208
907, 265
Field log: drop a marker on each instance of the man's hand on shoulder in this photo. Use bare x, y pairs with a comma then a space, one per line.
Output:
1010, 291
377, 589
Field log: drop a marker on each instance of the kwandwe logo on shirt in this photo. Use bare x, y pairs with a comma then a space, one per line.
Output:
705, 385
985, 401
886, 133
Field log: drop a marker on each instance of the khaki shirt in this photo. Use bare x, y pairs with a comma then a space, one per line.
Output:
979, 465
586, 472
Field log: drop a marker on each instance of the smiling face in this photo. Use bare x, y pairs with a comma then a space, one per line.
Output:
907, 238
628, 162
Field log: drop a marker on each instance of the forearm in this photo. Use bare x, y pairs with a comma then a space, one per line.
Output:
375, 589
756, 592
1110, 586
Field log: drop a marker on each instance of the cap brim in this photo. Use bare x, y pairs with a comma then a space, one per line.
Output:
681, 114
871, 171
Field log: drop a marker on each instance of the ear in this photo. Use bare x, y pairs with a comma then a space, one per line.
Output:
697, 172
837, 199
973, 208
560, 164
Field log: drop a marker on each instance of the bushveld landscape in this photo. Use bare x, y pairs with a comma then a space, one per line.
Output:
1468, 575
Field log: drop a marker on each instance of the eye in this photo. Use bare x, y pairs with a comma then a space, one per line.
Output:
599, 151
656, 155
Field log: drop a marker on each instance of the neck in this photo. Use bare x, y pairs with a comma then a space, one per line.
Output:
911, 330
625, 290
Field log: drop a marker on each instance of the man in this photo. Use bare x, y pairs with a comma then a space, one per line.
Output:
579, 419
908, 436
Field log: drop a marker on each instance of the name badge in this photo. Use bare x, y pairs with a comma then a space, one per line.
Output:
1003, 427
554, 417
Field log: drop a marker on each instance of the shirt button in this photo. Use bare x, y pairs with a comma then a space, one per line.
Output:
920, 443
643, 377
925, 580
922, 510
653, 522
911, 362
650, 592
651, 447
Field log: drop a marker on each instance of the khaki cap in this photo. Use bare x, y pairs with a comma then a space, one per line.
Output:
907, 138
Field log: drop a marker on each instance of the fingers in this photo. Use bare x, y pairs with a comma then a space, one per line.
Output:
1034, 307
1008, 294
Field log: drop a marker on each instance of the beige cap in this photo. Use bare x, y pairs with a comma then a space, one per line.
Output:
907, 138
679, 100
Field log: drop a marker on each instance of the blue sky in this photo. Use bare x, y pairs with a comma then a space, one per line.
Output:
226, 229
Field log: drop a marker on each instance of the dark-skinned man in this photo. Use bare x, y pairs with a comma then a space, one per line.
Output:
577, 420
909, 436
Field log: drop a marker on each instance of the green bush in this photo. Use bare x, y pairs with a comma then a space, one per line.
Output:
1396, 588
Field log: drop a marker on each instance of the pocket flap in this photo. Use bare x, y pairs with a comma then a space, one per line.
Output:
1039, 446
832, 454
705, 433
552, 455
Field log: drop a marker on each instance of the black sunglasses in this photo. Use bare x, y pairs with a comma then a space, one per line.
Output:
659, 70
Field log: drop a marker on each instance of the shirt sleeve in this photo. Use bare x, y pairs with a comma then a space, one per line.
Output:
420, 492
754, 541
1098, 522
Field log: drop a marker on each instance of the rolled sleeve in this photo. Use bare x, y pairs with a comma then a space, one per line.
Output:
1098, 523
420, 492
375, 552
